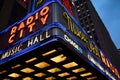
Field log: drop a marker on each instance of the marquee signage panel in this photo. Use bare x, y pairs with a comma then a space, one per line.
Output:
75, 29
44, 17
30, 24
40, 38
25, 27
49, 14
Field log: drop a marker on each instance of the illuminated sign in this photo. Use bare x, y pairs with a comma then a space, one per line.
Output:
109, 65
36, 39
71, 41
77, 32
29, 24
89, 44
26, 27
100, 67
41, 18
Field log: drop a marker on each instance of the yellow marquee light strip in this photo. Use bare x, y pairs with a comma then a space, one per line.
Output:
27, 70
72, 78
92, 78
49, 52
18, 65
59, 58
63, 74
1, 72
86, 74
30, 60
79, 70
27, 78
71, 64
40, 75
54, 70
14, 75
42, 64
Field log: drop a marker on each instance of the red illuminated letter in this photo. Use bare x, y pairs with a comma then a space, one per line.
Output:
44, 11
31, 27
11, 38
36, 16
29, 20
103, 58
44, 14
13, 30
43, 20
21, 26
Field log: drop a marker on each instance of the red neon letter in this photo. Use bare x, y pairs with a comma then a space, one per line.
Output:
44, 11
43, 20
31, 26
29, 20
13, 30
44, 14
36, 15
103, 58
10, 39
21, 26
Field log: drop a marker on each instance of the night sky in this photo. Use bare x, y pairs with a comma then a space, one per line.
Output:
109, 12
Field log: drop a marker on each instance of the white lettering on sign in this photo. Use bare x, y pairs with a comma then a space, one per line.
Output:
100, 67
71, 42
30, 42
11, 51
38, 38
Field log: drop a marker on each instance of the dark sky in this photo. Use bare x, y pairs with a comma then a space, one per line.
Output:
109, 11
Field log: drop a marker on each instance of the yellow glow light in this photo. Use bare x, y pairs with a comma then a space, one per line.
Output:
30, 60
27, 70
1, 72
39, 74
27, 78
71, 64
42, 65
72, 78
50, 52
63, 74
79, 70
14, 75
18, 65
92, 78
54, 70
59, 58
86, 74
50, 78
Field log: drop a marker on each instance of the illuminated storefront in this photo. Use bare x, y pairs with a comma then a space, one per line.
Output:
49, 44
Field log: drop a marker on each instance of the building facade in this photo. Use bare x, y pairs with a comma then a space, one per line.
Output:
93, 25
47, 42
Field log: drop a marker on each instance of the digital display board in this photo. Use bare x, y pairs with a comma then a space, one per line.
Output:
40, 20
